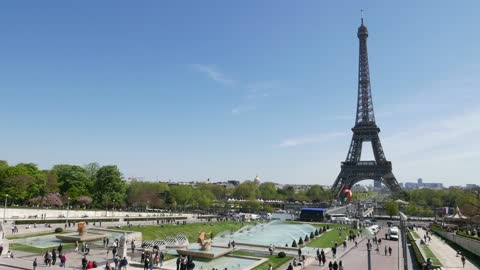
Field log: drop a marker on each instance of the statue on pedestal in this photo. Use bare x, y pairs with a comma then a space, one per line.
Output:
205, 243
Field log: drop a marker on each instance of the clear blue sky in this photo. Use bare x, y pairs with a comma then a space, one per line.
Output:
190, 90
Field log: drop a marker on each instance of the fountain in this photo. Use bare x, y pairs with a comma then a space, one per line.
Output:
205, 249
82, 236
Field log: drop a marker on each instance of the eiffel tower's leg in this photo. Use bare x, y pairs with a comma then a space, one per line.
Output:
355, 150
392, 183
378, 150
339, 184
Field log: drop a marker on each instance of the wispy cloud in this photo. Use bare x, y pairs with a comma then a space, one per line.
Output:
255, 92
322, 138
456, 131
213, 73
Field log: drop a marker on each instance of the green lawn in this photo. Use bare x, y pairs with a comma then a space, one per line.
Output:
430, 255
326, 239
11, 237
274, 260
35, 250
191, 230
415, 234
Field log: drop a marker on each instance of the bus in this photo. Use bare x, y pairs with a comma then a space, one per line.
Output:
338, 217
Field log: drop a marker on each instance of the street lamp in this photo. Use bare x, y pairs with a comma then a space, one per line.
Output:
68, 208
113, 207
5, 208
369, 234
403, 220
146, 207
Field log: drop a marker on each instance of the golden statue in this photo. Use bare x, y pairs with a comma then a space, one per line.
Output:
203, 241
82, 228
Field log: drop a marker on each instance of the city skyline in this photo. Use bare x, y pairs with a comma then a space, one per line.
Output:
189, 93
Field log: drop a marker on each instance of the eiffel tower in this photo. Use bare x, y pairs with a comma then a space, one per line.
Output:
354, 170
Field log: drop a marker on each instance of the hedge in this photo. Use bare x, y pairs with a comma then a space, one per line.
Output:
153, 218
64, 220
468, 236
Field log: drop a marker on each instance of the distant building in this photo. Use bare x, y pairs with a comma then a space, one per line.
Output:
359, 188
421, 184
472, 186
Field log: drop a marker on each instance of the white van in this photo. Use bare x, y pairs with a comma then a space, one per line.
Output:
393, 233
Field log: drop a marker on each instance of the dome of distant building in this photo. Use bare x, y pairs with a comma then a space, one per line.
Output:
257, 179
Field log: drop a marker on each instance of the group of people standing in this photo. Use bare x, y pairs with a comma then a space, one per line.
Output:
184, 263
50, 257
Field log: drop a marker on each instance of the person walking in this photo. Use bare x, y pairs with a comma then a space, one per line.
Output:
132, 246
386, 250
299, 253
124, 263
335, 266
84, 263
177, 262
390, 250
63, 260
340, 265
35, 264
1, 249
290, 266
54, 257
464, 260
330, 265
60, 249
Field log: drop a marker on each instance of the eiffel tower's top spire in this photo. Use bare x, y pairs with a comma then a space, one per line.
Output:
365, 115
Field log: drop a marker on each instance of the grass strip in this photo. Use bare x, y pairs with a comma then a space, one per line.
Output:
155, 232
428, 252
35, 250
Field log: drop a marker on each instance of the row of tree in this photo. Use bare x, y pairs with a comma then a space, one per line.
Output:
429, 202
26, 184
93, 185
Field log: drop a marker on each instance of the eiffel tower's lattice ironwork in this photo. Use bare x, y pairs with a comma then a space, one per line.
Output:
353, 169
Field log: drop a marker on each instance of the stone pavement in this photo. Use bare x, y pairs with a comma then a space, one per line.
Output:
445, 253
356, 257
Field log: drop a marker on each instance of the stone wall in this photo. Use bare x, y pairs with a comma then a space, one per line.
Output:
25, 213
469, 244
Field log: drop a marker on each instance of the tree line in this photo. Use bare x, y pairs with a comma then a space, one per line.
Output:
95, 186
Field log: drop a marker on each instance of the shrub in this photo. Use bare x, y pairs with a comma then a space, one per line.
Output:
58, 230
294, 244
328, 227
282, 254
306, 238
312, 235
316, 232
300, 241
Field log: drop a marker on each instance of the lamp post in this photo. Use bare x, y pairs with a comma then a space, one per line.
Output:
68, 208
369, 234
5, 208
403, 220
146, 207
113, 207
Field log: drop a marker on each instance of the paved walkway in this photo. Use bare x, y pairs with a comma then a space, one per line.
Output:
445, 253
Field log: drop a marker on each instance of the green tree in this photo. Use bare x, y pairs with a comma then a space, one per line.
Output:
22, 181
73, 180
268, 191
246, 190
316, 193
391, 207
183, 195
109, 186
